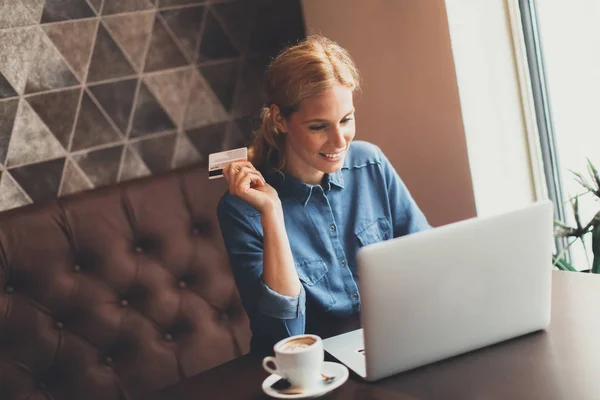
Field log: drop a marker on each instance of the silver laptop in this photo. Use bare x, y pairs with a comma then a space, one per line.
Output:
443, 292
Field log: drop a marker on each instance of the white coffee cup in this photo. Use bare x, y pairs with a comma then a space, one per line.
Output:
299, 359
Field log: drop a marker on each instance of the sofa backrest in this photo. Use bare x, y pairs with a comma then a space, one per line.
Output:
118, 292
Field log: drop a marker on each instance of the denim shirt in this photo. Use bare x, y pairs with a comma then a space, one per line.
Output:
363, 203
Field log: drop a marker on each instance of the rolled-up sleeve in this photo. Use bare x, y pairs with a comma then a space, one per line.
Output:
406, 215
279, 306
273, 316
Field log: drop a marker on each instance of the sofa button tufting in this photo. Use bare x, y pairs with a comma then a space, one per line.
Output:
182, 284
108, 361
58, 325
76, 268
168, 337
124, 303
42, 385
196, 232
9, 289
138, 249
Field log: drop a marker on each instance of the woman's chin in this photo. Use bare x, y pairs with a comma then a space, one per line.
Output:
329, 166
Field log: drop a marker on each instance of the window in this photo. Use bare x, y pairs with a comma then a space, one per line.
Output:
563, 48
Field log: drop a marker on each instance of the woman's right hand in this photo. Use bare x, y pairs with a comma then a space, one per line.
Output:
247, 183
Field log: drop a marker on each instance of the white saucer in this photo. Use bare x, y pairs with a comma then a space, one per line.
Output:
338, 371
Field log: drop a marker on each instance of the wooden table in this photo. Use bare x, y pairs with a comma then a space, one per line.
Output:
560, 363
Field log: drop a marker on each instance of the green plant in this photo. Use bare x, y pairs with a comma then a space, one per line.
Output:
572, 234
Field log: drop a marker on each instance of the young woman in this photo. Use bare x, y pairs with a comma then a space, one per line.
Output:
296, 214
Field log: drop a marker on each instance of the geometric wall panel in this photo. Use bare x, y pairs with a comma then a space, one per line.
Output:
172, 90
156, 152
96, 5
94, 92
204, 107
163, 52
170, 3
133, 166
74, 180
13, 14
185, 153
31, 140
63, 10
93, 127
215, 43
116, 98
74, 40
57, 110
48, 70
131, 32
6, 89
40, 181
121, 6
108, 61
35, 8
222, 79
149, 115
185, 23
100, 166
207, 139
11, 194
16, 53
236, 19
8, 113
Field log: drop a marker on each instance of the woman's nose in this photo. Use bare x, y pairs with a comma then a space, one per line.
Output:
337, 137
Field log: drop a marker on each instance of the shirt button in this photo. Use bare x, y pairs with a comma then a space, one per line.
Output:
332, 228
355, 296
343, 263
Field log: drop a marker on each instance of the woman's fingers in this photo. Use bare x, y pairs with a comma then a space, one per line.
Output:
247, 178
242, 176
233, 169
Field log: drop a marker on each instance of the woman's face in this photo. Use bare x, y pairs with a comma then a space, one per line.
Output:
318, 134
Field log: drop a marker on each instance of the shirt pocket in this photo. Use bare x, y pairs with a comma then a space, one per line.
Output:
313, 275
374, 231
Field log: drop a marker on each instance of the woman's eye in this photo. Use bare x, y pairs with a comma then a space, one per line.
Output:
346, 120
317, 127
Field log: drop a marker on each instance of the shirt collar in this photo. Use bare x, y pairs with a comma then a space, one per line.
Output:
336, 179
290, 186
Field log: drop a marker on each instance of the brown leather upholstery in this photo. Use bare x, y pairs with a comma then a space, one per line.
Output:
116, 293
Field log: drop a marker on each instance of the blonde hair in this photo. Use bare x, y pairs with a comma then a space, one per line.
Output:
310, 67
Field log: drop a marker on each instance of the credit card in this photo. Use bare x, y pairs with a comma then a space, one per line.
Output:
218, 161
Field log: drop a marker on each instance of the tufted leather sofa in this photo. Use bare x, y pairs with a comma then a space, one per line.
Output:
118, 292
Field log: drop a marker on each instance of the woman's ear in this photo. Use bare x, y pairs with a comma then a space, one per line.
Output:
278, 119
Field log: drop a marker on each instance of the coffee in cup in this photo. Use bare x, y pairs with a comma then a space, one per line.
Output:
298, 344
299, 359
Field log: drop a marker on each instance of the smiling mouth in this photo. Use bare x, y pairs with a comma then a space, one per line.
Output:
333, 156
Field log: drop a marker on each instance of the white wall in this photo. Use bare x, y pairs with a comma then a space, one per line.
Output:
493, 105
